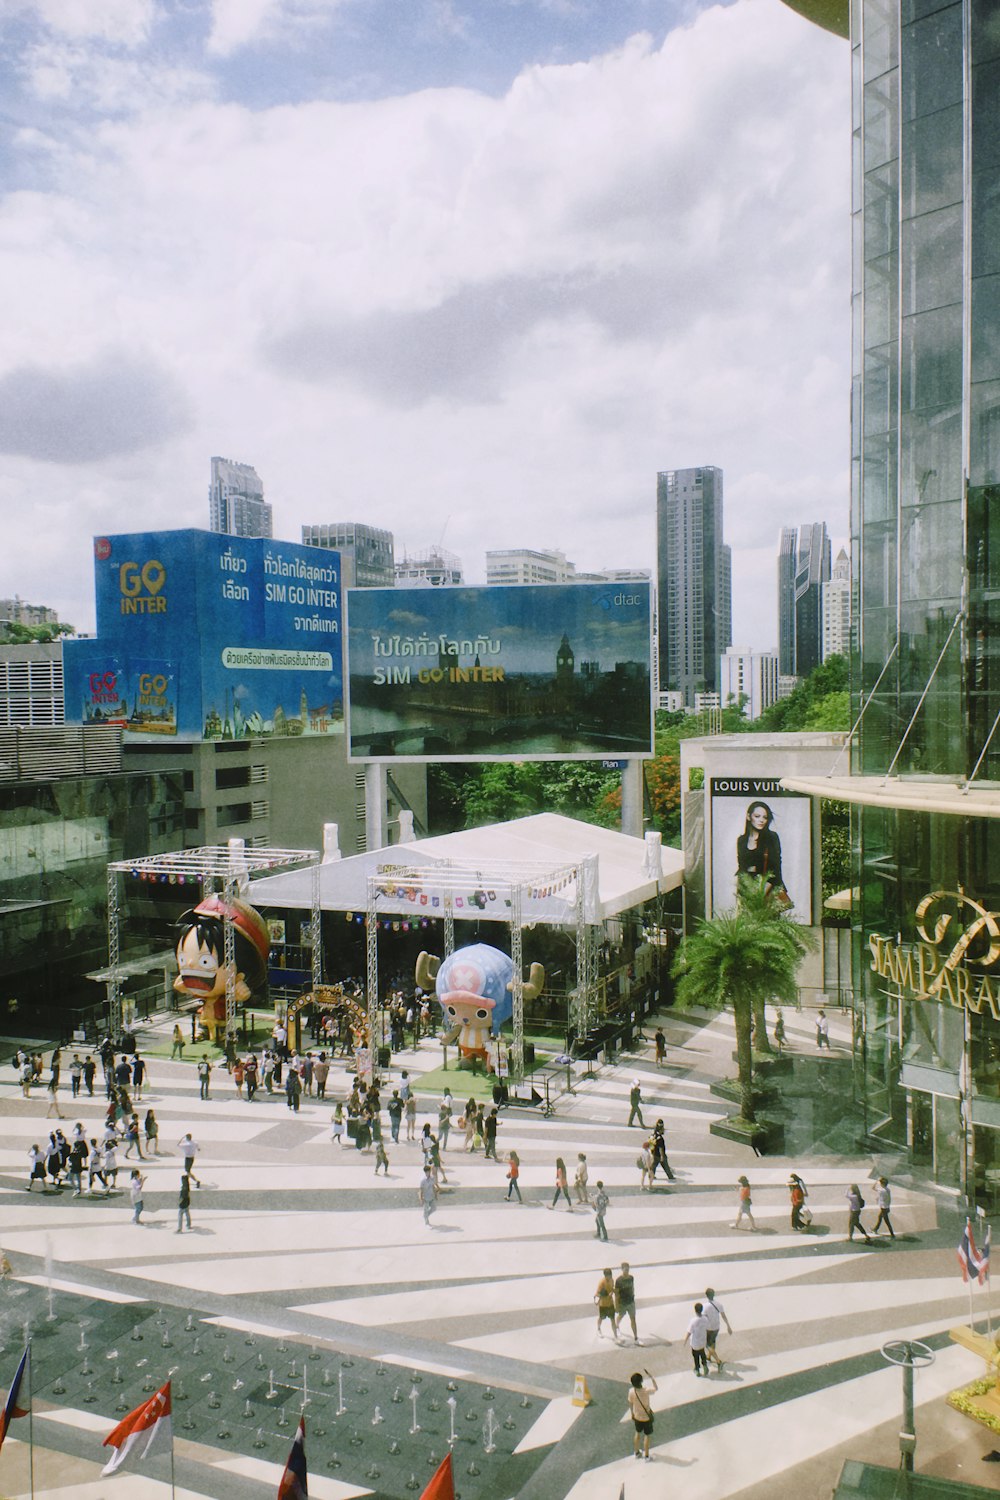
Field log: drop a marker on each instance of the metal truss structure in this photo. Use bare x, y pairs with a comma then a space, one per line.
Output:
226, 868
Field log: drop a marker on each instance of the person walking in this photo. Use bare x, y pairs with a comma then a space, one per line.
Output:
132, 1137
659, 1149
513, 1173
779, 1031
697, 1337
469, 1124
189, 1150
238, 1073
204, 1076
410, 1115
660, 1044
641, 1409
601, 1205
89, 1074
444, 1119
644, 1161
797, 1196
381, 1158
53, 1110
884, 1200
855, 1203
580, 1179
395, 1108
715, 1315
77, 1156
75, 1075
635, 1103
293, 1089
184, 1204
744, 1210
135, 1185
822, 1031
36, 1162
337, 1125
110, 1166
151, 1130
625, 1299
605, 1299
139, 1075
321, 1072
490, 1125
177, 1043
250, 1076
562, 1185
95, 1169
427, 1194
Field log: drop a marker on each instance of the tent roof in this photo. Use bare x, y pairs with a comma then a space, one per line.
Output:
524, 851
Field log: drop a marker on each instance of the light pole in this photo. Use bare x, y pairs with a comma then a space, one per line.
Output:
908, 1354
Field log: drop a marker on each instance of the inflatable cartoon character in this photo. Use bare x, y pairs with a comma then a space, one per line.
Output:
201, 951
473, 986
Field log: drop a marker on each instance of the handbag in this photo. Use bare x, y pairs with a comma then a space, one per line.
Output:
805, 1216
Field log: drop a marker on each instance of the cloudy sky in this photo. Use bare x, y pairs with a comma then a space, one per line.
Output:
473, 270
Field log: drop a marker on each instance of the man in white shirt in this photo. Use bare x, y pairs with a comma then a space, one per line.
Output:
697, 1337
715, 1316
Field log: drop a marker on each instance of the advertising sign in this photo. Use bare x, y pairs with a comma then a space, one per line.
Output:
202, 636
759, 829
500, 673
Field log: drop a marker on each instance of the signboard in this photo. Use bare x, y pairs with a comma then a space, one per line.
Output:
759, 829
500, 673
202, 636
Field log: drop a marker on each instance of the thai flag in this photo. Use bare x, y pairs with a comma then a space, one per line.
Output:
145, 1431
11, 1408
442, 1485
294, 1482
972, 1261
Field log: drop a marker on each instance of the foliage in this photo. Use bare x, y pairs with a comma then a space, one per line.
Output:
737, 958
12, 633
470, 796
807, 707
835, 857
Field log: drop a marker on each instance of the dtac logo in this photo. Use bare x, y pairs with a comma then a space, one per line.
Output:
104, 687
141, 588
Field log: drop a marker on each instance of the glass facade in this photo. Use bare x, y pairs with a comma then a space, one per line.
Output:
925, 509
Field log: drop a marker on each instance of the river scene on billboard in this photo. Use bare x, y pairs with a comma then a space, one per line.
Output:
547, 671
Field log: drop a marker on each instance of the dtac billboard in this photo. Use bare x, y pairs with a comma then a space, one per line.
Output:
760, 830
500, 673
202, 636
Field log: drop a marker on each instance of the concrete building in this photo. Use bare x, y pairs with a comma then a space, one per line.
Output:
16, 612
694, 581
837, 609
434, 567
749, 675
366, 552
31, 684
529, 565
236, 503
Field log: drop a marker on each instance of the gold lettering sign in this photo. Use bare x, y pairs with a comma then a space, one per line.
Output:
960, 940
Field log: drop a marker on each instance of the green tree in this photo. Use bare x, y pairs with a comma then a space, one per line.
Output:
15, 634
806, 708
741, 958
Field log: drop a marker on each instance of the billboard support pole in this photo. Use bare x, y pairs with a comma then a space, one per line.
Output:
449, 927
632, 798
230, 893
375, 805
316, 929
114, 954
517, 984
371, 977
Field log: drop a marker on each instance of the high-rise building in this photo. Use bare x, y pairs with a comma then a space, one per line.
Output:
434, 567
236, 503
366, 552
788, 557
803, 569
925, 543
694, 581
837, 608
751, 676
16, 612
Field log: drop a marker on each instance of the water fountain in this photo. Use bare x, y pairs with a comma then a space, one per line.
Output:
49, 1291
415, 1425
509, 1423
213, 1401
248, 1411
377, 1418
282, 1419
413, 1483
452, 1405
271, 1392
490, 1432
333, 1462
189, 1324
258, 1441
116, 1375
136, 1335
341, 1408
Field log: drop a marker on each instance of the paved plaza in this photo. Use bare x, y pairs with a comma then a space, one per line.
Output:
303, 1266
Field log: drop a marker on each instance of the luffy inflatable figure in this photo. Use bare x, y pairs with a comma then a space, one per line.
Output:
201, 960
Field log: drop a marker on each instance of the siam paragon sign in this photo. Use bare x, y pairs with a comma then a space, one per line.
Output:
957, 958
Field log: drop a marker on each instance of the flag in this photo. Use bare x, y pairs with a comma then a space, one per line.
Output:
145, 1431
442, 1485
11, 1407
972, 1261
294, 1482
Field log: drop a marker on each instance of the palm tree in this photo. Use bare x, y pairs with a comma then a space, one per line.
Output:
755, 896
741, 958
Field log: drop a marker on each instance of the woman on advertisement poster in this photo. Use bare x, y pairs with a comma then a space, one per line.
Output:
758, 851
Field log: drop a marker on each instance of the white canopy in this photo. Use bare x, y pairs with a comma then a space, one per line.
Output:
539, 854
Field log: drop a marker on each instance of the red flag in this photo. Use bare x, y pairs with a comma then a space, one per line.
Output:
442, 1485
12, 1408
294, 1482
145, 1431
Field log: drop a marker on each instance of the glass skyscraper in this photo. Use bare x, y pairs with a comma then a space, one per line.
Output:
925, 524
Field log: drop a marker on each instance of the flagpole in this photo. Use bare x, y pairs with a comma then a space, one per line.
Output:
31, 1429
972, 1320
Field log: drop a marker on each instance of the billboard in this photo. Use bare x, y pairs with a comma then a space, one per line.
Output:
760, 829
202, 636
500, 673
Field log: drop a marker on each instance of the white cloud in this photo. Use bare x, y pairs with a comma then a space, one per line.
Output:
246, 23
126, 23
487, 319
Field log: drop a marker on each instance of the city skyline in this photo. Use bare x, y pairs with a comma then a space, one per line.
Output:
420, 271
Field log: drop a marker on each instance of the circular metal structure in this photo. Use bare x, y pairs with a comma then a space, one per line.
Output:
909, 1353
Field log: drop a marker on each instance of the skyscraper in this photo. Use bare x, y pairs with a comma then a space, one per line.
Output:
367, 553
803, 568
236, 503
837, 608
694, 581
788, 557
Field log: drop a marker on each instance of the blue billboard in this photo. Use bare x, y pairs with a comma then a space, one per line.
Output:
543, 672
202, 636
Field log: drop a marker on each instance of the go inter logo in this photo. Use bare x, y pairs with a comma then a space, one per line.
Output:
141, 587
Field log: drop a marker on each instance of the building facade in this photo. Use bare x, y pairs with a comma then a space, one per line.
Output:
434, 567
925, 536
31, 684
788, 557
694, 581
751, 676
837, 609
16, 612
367, 552
803, 571
529, 565
236, 503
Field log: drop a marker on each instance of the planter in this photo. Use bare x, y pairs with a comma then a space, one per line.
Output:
765, 1136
